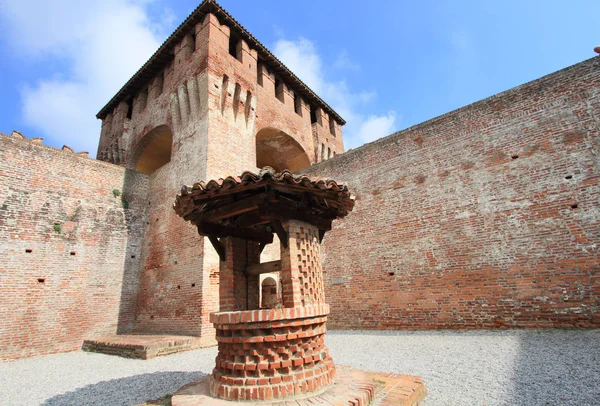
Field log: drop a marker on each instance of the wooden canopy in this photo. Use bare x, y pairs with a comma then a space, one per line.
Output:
253, 206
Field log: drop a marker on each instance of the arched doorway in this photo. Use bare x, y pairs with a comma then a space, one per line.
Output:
153, 150
280, 151
269, 293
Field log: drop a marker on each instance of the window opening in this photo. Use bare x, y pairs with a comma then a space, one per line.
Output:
331, 125
130, 108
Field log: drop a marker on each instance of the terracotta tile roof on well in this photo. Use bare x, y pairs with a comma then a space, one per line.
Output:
214, 188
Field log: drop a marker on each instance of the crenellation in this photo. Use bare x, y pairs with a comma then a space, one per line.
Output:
18, 135
156, 86
289, 97
185, 49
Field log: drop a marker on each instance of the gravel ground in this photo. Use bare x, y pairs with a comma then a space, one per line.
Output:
554, 367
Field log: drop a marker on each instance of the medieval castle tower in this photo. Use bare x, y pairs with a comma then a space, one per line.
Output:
211, 102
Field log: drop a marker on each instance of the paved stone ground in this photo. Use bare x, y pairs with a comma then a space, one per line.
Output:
553, 367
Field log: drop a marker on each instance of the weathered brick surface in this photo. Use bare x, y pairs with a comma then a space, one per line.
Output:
214, 106
488, 216
65, 243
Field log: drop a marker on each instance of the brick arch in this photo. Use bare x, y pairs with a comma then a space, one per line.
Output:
279, 150
153, 150
269, 295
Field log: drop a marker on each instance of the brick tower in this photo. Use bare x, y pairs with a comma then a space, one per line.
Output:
211, 101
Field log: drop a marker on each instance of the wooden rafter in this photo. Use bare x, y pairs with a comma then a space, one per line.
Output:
232, 209
218, 247
278, 228
265, 267
279, 212
218, 230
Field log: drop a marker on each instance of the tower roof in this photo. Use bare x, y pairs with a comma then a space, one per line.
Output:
161, 57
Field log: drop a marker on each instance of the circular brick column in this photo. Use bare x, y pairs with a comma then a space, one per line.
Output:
271, 354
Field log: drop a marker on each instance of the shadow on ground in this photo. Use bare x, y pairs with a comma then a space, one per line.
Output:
558, 367
127, 391
494, 368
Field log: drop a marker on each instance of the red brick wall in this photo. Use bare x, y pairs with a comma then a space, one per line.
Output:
175, 290
469, 220
72, 284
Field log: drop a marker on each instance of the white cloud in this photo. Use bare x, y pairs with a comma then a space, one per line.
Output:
97, 45
343, 62
302, 58
374, 126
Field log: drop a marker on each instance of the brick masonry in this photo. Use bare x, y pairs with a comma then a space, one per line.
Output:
488, 216
272, 353
214, 105
65, 243
352, 388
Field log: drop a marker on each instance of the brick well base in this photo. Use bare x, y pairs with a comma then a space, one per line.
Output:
352, 387
271, 354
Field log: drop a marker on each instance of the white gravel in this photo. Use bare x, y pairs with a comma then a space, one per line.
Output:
553, 367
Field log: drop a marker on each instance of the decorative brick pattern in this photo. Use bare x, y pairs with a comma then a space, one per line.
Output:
301, 269
310, 272
273, 359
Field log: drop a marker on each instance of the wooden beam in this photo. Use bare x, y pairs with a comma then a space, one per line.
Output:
261, 246
218, 247
299, 189
232, 209
278, 228
266, 267
250, 219
283, 213
218, 230
235, 190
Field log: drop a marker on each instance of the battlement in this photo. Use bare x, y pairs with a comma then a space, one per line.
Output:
211, 79
18, 136
185, 40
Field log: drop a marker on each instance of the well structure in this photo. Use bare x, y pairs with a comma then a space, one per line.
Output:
268, 353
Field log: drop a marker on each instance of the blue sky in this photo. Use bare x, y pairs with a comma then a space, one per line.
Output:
383, 65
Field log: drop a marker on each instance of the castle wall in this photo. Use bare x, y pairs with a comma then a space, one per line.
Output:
69, 247
488, 216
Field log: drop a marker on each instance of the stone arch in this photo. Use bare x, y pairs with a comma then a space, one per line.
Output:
153, 150
268, 293
280, 151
